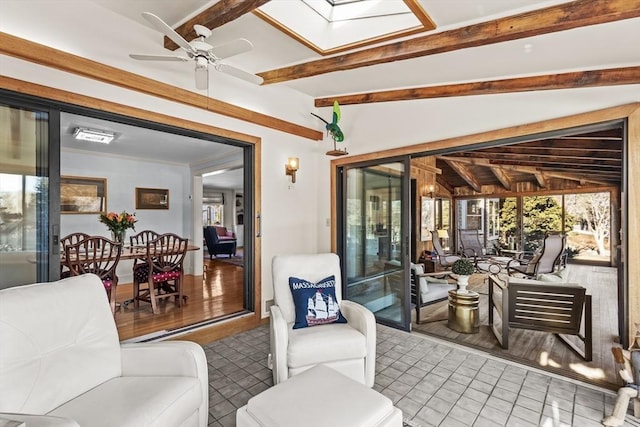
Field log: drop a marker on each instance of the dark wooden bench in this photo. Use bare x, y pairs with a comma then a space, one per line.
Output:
538, 306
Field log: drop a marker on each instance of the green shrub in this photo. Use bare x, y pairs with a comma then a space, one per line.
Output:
463, 267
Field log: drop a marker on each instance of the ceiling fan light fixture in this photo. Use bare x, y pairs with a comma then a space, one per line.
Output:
201, 62
93, 135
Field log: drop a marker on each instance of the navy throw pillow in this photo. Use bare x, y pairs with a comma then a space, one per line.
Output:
315, 303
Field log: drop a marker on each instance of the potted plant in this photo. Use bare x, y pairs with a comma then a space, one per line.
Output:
463, 268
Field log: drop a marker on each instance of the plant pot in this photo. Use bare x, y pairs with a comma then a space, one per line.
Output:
463, 281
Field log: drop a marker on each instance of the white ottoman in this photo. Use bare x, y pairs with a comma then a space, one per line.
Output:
319, 397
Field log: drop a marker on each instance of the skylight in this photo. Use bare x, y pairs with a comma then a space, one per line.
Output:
343, 10
329, 26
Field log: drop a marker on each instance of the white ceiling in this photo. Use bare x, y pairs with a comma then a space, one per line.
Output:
154, 145
591, 47
594, 47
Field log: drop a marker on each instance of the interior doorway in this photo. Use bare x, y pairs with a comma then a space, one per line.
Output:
161, 157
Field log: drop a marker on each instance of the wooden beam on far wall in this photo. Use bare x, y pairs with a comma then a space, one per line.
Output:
572, 80
562, 17
216, 16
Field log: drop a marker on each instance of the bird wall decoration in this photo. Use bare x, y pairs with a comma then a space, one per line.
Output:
334, 130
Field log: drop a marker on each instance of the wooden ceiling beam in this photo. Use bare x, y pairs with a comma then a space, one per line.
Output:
442, 182
502, 176
216, 16
427, 168
545, 158
572, 80
465, 174
542, 182
578, 178
558, 165
553, 151
46, 56
562, 17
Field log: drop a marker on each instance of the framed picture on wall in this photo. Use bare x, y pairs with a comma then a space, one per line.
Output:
83, 195
427, 218
152, 198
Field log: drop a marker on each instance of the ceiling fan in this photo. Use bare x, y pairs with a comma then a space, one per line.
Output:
202, 53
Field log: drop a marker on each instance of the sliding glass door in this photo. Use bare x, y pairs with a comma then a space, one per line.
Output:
26, 204
374, 239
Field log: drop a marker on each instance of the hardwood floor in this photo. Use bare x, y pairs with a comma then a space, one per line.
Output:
540, 349
217, 295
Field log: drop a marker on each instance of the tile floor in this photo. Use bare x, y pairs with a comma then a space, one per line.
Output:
434, 382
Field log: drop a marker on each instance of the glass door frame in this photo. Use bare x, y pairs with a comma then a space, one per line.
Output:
47, 165
405, 238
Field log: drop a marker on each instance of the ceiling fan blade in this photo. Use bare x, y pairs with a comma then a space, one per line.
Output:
202, 78
232, 48
162, 26
143, 57
241, 74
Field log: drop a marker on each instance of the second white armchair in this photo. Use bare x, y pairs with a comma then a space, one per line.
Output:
349, 348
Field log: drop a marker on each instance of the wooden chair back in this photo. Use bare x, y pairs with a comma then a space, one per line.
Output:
143, 237
541, 306
97, 255
546, 307
162, 271
166, 252
552, 250
68, 240
470, 242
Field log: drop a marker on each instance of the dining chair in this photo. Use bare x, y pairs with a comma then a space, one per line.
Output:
163, 273
143, 237
97, 255
68, 240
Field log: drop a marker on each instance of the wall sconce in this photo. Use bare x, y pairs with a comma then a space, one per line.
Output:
292, 167
432, 189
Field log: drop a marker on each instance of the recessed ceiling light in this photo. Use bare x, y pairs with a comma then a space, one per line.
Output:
93, 135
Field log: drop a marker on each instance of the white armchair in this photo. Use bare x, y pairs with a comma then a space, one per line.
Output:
349, 348
61, 364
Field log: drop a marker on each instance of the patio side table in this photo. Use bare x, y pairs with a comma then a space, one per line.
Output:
464, 315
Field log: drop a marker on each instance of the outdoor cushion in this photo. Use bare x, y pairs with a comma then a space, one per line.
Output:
560, 276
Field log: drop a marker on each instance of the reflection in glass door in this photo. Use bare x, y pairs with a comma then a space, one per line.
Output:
24, 196
374, 232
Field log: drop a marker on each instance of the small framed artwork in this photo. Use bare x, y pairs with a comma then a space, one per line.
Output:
427, 218
83, 195
152, 198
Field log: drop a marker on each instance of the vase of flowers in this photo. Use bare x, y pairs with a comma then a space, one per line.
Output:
463, 268
118, 224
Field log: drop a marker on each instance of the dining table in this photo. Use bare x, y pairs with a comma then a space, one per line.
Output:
131, 252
